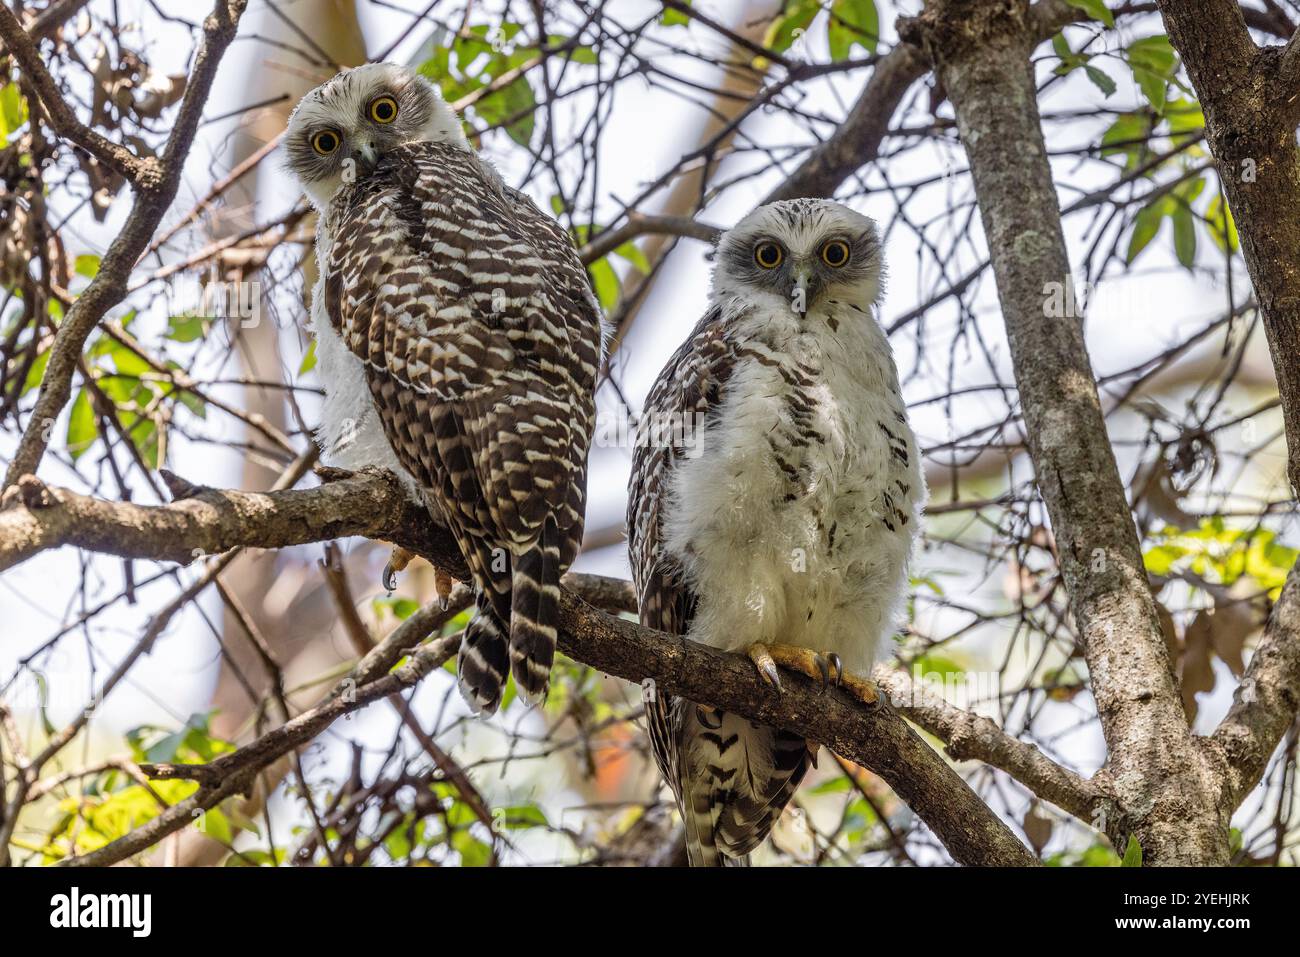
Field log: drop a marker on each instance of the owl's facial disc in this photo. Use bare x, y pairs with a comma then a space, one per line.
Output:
342, 129
801, 252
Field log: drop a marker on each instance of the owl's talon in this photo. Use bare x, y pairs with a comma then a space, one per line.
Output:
397, 562
762, 659
836, 667
824, 667
442, 583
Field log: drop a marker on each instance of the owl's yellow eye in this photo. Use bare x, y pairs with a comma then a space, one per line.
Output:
325, 142
768, 255
835, 253
383, 109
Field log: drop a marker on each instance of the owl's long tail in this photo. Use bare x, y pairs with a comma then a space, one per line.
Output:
737, 778
535, 611
482, 661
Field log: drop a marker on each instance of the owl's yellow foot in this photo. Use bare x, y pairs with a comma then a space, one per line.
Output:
863, 689
396, 562
442, 583
825, 668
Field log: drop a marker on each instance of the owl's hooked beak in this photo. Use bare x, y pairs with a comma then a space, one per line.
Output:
365, 155
801, 293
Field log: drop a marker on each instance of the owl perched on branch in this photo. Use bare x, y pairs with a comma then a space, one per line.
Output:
775, 498
458, 340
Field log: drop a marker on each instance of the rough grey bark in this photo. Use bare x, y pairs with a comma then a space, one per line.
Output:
1162, 788
1251, 101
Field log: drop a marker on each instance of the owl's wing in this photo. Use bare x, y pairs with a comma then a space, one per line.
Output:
481, 341
479, 334
731, 776
677, 411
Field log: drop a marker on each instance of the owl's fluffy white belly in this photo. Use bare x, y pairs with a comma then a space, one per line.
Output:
810, 561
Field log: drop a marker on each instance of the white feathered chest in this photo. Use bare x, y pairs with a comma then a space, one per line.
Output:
796, 522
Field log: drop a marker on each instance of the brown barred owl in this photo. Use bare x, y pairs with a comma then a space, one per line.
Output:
458, 341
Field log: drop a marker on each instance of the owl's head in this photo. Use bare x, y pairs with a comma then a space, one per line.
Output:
341, 129
801, 251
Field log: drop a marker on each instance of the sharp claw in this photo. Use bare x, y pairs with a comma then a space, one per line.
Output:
443, 602
769, 671
837, 666
389, 578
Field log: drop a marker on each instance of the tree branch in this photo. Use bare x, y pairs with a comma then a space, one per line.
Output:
1164, 789
967, 735
65, 123
156, 191
374, 504
1267, 699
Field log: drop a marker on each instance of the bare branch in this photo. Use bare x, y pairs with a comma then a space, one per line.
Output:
109, 286
142, 172
375, 504
969, 735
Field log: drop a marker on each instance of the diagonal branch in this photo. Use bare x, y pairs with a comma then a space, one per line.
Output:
968, 735
1266, 700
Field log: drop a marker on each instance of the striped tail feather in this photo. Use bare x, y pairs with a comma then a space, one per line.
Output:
483, 660
535, 611
739, 776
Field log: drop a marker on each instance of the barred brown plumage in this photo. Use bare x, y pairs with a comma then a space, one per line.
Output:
478, 339
775, 487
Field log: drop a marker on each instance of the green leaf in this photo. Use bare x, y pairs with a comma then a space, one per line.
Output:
1154, 65
790, 24
513, 100
81, 426
193, 403
13, 111
36, 372
309, 359
675, 18
1100, 80
1128, 135
605, 281
473, 852
1132, 853
402, 608
1145, 226
853, 22
633, 254
1095, 9
217, 827
1184, 116
186, 328
1184, 236
1222, 227
521, 817
87, 265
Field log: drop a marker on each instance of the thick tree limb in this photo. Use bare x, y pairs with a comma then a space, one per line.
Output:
1266, 700
1165, 791
155, 192
1251, 101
